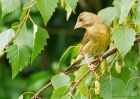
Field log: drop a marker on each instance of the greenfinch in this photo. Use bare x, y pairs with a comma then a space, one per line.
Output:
96, 38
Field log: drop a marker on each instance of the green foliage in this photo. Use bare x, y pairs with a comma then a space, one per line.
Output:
108, 14
123, 39
136, 15
60, 92
106, 91
46, 8
69, 6
19, 53
60, 80
69, 54
123, 7
110, 87
5, 38
132, 87
18, 57
40, 37
132, 58
83, 86
22, 44
9, 6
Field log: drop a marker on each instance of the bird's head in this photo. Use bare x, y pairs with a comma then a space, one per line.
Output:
87, 20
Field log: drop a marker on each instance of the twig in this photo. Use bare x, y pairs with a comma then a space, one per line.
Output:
78, 81
22, 22
70, 70
42, 89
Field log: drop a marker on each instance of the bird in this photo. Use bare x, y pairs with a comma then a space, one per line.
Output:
96, 38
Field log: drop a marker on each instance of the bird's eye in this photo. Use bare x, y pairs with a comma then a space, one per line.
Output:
80, 20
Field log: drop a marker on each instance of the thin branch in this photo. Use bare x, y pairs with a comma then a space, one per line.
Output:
23, 21
41, 90
72, 69
77, 83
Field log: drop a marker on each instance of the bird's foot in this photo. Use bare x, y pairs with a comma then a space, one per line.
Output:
91, 67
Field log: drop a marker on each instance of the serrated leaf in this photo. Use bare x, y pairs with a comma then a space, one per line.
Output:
18, 57
123, 39
72, 3
9, 6
60, 92
20, 53
24, 37
5, 37
46, 8
70, 6
112, 87
108, 14
83, 85
60, 80
69, 54
40, 37
123, 7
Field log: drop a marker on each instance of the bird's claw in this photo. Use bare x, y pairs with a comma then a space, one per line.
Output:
91, 67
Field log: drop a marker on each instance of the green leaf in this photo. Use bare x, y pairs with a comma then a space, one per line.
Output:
117, 6
60, 92
108, 14
5, 37
75, 51
24, 37
132, 87
69, 54
132, 58
46, 8
40, 37
83, 85
106, 91
125, 73
112, 87
21, 97
70, 6
20, 53
18, 57
123, 8
9, 6
136, 15
123, 39
60, 80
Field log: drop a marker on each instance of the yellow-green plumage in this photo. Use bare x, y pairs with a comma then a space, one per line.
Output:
97, 35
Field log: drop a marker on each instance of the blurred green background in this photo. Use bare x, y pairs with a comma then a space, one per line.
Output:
45, 65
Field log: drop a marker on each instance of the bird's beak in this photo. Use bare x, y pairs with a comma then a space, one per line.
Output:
78, 25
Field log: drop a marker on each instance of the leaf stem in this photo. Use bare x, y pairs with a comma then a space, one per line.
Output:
31, 19
23, 21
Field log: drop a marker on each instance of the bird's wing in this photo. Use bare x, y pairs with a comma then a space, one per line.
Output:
85, 40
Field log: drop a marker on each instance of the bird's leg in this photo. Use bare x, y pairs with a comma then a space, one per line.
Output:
91, 66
